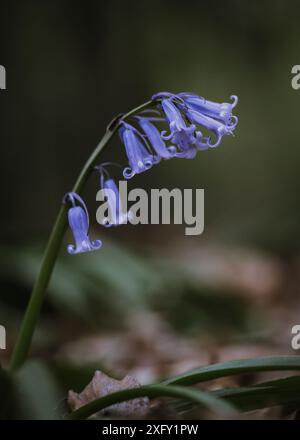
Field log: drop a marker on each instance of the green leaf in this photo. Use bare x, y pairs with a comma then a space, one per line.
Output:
273, 393
282, 392
244, 366
207, 400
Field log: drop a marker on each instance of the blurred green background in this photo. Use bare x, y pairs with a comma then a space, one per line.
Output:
71, 67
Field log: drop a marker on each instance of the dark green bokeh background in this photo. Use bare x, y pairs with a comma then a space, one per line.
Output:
72, 66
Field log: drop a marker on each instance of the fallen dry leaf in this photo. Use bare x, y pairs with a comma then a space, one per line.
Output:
100, 386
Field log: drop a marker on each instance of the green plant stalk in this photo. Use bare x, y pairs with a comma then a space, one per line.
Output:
30, 319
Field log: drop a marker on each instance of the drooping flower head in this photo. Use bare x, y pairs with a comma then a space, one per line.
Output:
78, 218
185, 112
139, 155
194, 124
116, 214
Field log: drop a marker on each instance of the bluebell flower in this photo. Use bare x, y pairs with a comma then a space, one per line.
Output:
78, 218
180, 134
217, 127
117, 216
222, 112
155, 139
186, 137
214, 117
139, 154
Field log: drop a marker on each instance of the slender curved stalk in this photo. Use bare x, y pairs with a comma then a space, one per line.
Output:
204, 398
51, 252
231, 368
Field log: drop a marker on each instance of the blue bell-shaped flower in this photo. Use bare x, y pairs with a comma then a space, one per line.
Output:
78, 218
117, 216
139, 156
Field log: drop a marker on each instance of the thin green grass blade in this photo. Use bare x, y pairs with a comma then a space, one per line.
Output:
244, 366
279, 392
200, 397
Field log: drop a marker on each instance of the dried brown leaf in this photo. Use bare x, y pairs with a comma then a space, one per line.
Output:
100, 386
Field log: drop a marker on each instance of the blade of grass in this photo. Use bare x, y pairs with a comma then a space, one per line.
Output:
244, 366
281, 392
205, 399
264, 395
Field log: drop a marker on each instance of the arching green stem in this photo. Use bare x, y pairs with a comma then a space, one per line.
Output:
54, 243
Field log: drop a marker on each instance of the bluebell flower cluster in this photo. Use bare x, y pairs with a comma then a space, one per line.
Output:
186, 114
192, 124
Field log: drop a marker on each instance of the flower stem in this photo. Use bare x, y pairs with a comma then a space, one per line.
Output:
30, 319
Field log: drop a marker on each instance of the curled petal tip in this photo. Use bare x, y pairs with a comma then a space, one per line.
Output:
235, 100
96, 244
128, 173
85, 246
71, 249
216, 143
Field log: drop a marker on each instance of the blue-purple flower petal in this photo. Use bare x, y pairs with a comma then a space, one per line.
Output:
116, 212
181, 134
216, 127
222, 112
79, 223
139, 157
155, 139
